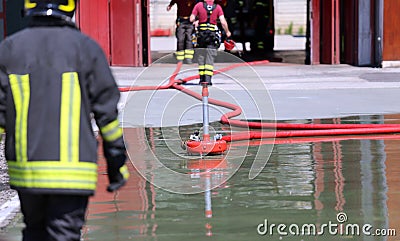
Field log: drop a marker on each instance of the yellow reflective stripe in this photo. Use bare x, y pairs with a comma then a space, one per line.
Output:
208, 69
207, 28
201, 69
207, 25
112, 136
1, 132
29, 4
179, 55
52, 164
53, 174
189, 53
21, 93
70, 117
111, 131
69, 7
66, 8
207, 72
60, 184
110, 126
124, 171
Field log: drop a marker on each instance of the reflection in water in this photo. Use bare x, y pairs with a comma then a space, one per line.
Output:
306, 181
209, 170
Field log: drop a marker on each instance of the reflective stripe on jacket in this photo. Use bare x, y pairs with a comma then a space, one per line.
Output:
52, 78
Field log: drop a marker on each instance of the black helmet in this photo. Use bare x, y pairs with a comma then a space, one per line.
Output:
63, 9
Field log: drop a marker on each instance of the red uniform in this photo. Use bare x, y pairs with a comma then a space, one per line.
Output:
184, 7
208, 39
201, 12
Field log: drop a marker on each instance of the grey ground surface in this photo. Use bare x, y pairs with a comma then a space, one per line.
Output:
268, 91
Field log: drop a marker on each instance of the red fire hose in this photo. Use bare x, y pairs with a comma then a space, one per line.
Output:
291, 129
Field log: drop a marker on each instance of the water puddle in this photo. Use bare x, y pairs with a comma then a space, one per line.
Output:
322, 188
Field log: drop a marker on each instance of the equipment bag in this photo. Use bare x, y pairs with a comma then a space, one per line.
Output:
206, 38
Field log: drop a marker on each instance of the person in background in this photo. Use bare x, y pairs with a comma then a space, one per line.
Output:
208, 38
184, 30
261, 22
52, 79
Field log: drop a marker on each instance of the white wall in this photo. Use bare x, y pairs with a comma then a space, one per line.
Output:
290, 11
159, 17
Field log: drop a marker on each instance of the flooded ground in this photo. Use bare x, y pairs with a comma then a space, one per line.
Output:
322, 188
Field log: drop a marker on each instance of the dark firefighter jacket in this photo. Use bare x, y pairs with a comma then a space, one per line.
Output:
51, 79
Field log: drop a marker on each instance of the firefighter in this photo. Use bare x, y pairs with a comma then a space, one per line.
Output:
208, 39
261, 22
53, 79
229, 8
184, 30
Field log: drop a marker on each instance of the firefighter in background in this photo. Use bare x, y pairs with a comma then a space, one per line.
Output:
184, 30
208, 40
260, 11
52, 79
229, 7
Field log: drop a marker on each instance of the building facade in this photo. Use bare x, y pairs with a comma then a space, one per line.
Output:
355, 32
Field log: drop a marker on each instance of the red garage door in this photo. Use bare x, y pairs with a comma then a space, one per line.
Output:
120, 27
391, 22
94, 20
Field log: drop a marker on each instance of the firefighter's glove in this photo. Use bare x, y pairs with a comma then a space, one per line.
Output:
117, 170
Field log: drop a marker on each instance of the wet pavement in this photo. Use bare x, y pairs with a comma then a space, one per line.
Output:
314, 188
264, 91
307, 181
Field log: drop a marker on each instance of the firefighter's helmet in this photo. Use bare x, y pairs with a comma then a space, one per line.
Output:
229, 44
63, 9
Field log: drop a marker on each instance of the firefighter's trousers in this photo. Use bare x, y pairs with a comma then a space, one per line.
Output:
184, 47
52, 217
206, 62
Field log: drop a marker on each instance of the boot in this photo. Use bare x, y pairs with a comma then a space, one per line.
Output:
202, 79
207, 78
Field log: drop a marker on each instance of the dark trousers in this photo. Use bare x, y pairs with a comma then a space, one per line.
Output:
52, 217
184, 48
259, 42
184, 33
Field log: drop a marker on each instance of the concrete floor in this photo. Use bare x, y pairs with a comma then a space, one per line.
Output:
267, 91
